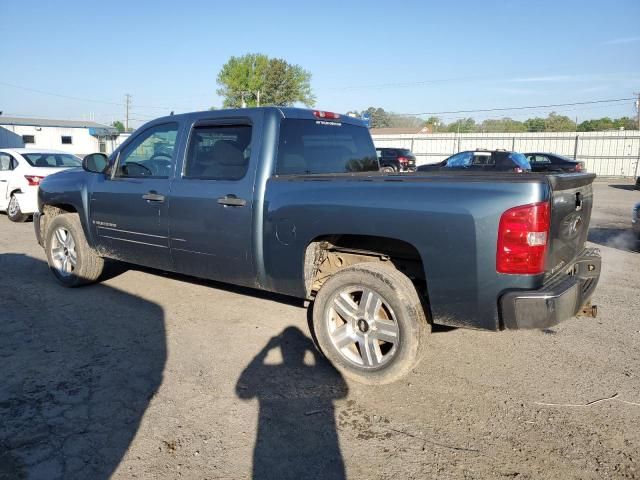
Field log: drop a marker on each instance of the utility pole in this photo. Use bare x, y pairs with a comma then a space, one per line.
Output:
638, 110
127, 104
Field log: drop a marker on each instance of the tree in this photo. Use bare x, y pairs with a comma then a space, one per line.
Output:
463, 125
559, 123
536, 124
506, 125
276, 81
379, 118
118, 126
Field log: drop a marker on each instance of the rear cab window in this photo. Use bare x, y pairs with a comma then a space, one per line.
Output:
321, 147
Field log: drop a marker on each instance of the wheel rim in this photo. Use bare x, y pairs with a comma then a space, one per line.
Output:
63, 252
14, 207
362, 327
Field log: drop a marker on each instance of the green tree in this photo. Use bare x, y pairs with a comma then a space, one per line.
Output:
118, 126
276, 81
536, 124
506, 125
559, 123
379, 118
462, 125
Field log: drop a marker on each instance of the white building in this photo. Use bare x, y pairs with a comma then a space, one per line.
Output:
71, 136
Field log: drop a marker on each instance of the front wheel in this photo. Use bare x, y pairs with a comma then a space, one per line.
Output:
70, 258
14, 212
369, 322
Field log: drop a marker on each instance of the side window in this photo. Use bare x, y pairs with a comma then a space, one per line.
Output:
219, 152
462, 159
150, 154
66, 140
6, 162
538, 159
28, 139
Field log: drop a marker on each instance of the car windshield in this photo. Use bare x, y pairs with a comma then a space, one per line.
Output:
52, 160
520, 160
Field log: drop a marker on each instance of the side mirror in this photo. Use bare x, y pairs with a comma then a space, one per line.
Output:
95, 162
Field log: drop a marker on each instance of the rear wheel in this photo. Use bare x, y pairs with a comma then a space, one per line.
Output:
13, 210
70, 258
369, 322
387, 169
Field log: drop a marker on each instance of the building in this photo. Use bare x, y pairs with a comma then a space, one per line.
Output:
78, 137
401, 130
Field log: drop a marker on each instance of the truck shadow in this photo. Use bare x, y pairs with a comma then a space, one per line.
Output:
629, 187
79, 368
296, 434
622, 239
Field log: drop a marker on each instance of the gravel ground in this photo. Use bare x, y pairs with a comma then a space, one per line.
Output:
149, 375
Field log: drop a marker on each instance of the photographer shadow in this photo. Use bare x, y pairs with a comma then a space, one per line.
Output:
296, 435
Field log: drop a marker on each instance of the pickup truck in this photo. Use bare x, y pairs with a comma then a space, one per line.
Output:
291, 201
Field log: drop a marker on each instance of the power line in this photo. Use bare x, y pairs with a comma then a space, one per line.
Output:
504, 109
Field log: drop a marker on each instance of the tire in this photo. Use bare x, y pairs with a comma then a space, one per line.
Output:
376, 345
388, 169
13, 211
71, 260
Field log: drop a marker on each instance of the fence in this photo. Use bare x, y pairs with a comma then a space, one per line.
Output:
604, 153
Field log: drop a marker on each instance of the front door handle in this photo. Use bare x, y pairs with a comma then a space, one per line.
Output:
232, 201
153, 196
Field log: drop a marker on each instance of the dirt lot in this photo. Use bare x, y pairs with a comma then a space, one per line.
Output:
149, 375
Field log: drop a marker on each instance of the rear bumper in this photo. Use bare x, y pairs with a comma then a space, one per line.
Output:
558, 300
28, 200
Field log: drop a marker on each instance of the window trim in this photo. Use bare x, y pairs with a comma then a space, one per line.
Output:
217, 122
116, 164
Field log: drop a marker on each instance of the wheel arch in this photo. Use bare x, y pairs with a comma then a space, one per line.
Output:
327, 254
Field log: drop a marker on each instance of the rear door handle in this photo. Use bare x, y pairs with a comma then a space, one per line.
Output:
232, 201
153, 196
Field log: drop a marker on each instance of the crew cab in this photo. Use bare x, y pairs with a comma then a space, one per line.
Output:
292, 201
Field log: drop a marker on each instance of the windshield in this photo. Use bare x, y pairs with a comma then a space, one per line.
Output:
52, 160
310, 146
520, 160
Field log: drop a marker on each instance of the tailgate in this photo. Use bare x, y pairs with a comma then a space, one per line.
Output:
571, 203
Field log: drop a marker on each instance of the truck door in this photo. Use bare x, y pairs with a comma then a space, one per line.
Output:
128, 210
210, 218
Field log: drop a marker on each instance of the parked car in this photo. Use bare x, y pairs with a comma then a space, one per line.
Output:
635, 220
396, 160
550, 162
21, 171
291, 201
481, 160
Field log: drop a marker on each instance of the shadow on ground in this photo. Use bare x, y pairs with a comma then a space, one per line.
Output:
296, 435
79, 367
615, 238
624, 187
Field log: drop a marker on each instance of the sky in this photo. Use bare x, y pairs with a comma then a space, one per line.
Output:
406, 57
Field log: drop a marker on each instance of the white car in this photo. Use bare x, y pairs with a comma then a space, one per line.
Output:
21, 171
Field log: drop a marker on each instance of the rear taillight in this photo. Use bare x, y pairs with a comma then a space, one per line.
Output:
326, 115
403, 159
522, 239
579, 167
518, 170
33, 180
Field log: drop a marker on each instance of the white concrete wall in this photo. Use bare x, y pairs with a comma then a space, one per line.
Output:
615, 153
50, 137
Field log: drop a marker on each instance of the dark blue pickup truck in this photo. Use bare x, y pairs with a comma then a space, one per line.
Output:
291, 201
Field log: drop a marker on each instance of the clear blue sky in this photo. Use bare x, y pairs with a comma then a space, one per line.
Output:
470, 54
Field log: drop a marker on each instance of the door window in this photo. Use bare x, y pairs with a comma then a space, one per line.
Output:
6, 162
462, 159
150, 154
219, 152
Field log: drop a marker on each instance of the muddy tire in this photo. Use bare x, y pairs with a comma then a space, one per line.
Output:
13, 211
369, 322
70, 258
